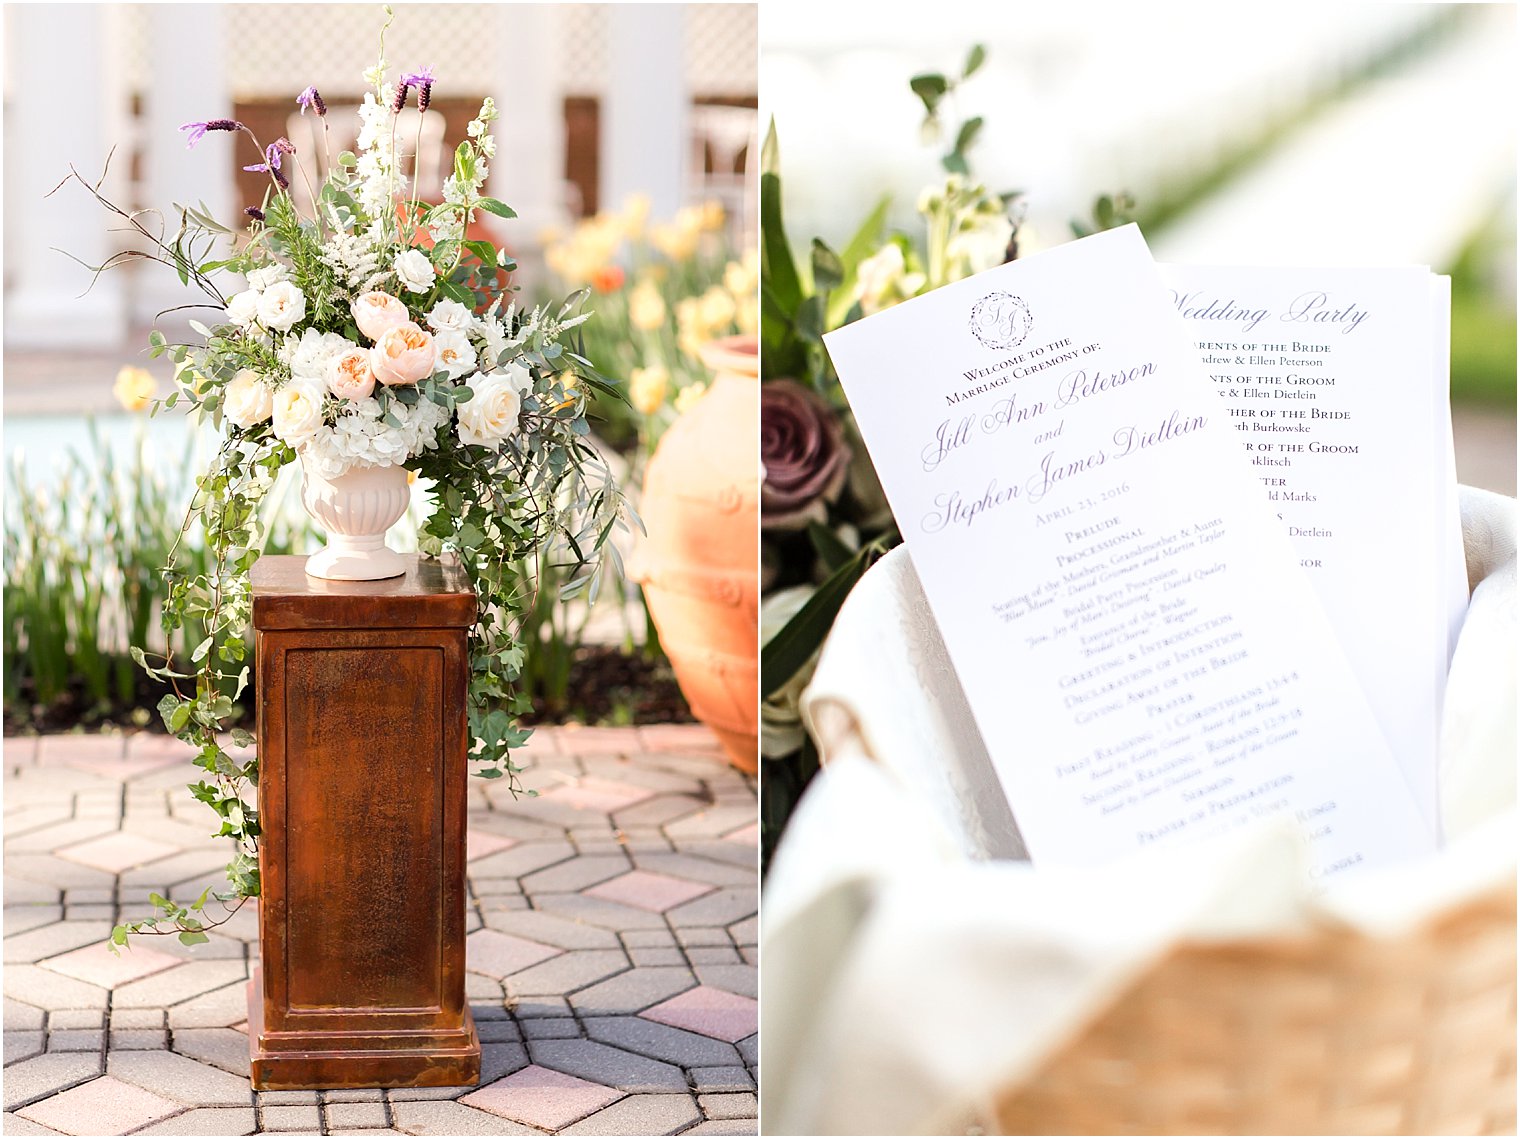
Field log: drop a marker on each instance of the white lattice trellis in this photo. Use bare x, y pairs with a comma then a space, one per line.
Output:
273, 49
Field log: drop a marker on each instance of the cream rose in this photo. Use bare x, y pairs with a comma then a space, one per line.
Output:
246, 399
402, 354
268, 275
491, 413
281, 305
375, 312
456, 355
349, 375
415, 271
450, 316
298, 411
243, 308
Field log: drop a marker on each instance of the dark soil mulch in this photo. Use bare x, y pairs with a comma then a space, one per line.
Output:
606, 687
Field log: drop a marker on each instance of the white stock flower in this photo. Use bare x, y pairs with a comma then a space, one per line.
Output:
415, 271
450, 316
243, 308
456, 355
281, 306
491, 414
298, 411
247, 399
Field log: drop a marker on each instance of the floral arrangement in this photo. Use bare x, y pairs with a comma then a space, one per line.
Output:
663, 289
823, 517
373, 333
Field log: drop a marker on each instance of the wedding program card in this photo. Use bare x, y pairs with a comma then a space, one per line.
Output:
1144, 657
1335, 384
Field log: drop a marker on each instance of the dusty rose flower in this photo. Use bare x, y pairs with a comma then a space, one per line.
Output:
803, 452
403, 354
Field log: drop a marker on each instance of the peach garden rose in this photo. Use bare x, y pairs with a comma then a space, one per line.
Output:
374, 312
349, 375
402, 354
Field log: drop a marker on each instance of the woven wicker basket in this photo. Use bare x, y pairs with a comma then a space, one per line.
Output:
1332, 1034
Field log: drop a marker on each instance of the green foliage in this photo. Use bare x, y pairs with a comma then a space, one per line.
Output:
1108, 212
934, 90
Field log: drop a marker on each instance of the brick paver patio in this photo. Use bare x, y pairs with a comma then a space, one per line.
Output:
611, 950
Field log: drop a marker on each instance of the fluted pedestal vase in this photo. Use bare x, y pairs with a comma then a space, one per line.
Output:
356, 509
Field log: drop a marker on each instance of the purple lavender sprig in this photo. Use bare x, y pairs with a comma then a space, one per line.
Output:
272, 153
198, 130
312, 98
400, 98
423, 81
254, 212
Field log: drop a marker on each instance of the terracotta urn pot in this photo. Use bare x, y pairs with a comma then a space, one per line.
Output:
699, 564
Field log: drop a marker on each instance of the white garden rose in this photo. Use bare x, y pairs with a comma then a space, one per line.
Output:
298, 411
261, 279
415, 271
281, 305
243, 308
247, 399
450, 316
456, 355
490, 416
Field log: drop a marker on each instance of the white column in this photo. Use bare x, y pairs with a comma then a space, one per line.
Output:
56, 118
193, 89
529, 89
644, 136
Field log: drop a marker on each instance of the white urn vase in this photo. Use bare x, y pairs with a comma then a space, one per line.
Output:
356, 509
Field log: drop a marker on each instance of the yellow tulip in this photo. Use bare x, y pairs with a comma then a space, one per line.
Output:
748, 316
646, 308
712, 215
646, 388
676, 241
738, 279
134, 388
635, 214
717, 308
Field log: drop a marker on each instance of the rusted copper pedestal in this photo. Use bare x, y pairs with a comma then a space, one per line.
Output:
362, 746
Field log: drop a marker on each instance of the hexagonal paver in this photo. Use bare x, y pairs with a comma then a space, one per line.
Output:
649, 890
712, 1012
101, 1107
116, 852
542, 1098
480, 844
97, 965
593, 794
499, 954
568, 972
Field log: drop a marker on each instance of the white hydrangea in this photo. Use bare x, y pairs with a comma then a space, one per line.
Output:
361, 438
309, 355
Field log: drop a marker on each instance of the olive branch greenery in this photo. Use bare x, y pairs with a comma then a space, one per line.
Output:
540, 507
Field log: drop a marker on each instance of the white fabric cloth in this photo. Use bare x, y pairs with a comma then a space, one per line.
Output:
913, 964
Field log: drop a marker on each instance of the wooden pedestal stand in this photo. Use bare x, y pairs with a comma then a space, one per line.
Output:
362, 747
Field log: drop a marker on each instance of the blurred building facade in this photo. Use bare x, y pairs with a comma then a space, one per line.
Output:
598, 102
